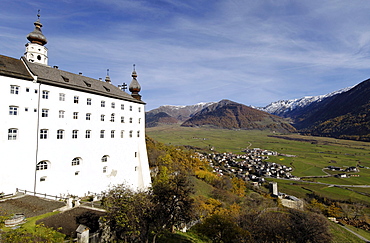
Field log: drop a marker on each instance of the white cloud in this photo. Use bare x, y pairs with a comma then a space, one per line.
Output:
253, 52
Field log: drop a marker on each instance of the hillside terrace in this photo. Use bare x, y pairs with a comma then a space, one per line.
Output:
251, 166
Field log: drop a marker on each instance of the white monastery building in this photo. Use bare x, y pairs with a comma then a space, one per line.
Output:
67, 134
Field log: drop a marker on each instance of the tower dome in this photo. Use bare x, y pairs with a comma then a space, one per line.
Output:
36, 35
135, 86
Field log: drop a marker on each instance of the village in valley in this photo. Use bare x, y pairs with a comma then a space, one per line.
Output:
251, 166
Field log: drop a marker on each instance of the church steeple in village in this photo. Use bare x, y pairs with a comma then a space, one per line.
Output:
35, 50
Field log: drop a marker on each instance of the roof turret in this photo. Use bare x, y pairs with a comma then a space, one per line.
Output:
107, 78
134, 85
36, 35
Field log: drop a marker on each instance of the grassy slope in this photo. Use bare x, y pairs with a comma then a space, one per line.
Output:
311, 158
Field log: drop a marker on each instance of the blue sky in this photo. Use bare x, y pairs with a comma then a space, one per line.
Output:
250, 51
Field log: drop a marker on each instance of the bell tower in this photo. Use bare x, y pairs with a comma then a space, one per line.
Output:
35, 50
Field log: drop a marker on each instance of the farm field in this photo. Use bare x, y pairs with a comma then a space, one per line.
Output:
313, 154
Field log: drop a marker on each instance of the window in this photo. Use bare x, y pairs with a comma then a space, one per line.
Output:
112, 134
75, 115
42, 165
74, 134
43, 178
76, 161
122, 106
130, 107
104, 158
102, 117
130, 119
27, 89
44, 113
122, 133
122, 119
130, 134
35, 91
65, 79
75, 100
77, 172
45, 94
14, 89
88, 134
88, 102
88, 116
105, 169
139, 109
61, 114
112, 117
62, 97
113, 105
102, 104
12, 133
13, 110
139, 120
138, 133
60, 134
43, 134
135, 154
25, 108
101, 133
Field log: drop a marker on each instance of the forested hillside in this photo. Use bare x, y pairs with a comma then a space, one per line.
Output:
345, 115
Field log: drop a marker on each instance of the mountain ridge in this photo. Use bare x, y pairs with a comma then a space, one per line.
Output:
282, 107
231, 115
342, 114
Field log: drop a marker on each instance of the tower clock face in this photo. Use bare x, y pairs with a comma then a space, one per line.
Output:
39, 57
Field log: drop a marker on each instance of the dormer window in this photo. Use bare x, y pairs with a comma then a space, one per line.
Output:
107, 89
87, 84
65, 79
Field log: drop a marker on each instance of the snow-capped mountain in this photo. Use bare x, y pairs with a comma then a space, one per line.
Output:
283, 107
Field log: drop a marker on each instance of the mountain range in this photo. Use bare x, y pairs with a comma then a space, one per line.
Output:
341, 114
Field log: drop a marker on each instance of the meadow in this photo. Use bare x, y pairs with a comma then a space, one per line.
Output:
313, 154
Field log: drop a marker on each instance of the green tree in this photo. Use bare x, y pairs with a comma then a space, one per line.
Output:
173, 204
286, 225
129, 215
222, 228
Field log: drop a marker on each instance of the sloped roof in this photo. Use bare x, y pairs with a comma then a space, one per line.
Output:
12, 67
57, 77
15, 68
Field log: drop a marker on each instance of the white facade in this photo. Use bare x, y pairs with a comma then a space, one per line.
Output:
66, 134
36, 53
63, 129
